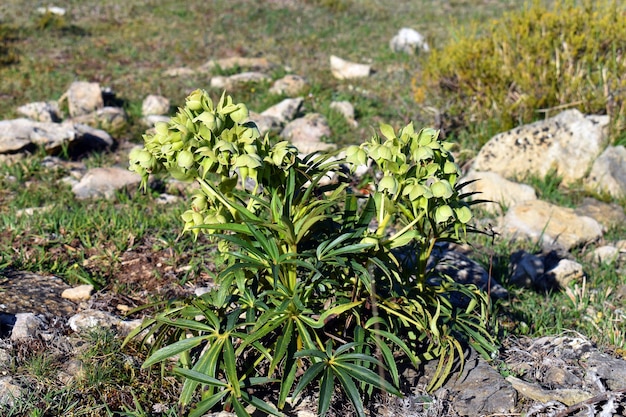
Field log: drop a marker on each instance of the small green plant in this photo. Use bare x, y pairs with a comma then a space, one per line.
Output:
528, 63
316, 275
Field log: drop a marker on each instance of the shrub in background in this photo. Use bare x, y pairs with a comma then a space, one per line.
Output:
531, 62
321, 284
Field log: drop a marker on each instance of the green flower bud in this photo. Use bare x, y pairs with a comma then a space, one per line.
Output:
161, 128
194, 100
185, 159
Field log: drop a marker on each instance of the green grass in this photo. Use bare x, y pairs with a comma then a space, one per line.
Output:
127, 45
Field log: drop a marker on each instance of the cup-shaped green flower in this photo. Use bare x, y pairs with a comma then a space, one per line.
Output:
356, 156
388, 184
443, 213
463, 214
442, 189
283, 155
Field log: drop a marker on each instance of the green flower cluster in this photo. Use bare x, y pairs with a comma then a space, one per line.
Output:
418, 172
202, 139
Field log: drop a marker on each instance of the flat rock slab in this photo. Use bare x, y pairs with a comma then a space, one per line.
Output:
26, 292
550, 224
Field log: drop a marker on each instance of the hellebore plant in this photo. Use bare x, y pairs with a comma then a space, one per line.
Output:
320, 276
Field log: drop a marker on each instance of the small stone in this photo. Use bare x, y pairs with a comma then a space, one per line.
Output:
88, 319
286, 110
342, 69
237, 62
564, 273
26, 326
103, 182
526, 269
42, 111
152, 119
79, 293
408, 41
307, 133
155, 105
179, 72
84, 98
604, 255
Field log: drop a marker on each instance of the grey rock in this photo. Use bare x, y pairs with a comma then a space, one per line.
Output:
110, 119
342, 69
155, 105
608, 173
88, 319
611, 371
103, 182
482, 391
306, 133
549, 224
84, 98
409, 41
607, 214
41, 111
568, 142
464, 270
500, 192
564, 273
286, 110
26, 326
525, 269
290, 85
20, 135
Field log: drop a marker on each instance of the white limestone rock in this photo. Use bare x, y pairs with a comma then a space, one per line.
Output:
342, 69
567, 143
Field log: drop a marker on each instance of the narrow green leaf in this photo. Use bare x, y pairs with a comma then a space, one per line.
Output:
240, 410
259, 404
311, 373
230, 366
200, 377
360, 373
173, 350
351, 390
327, 387
205, 405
